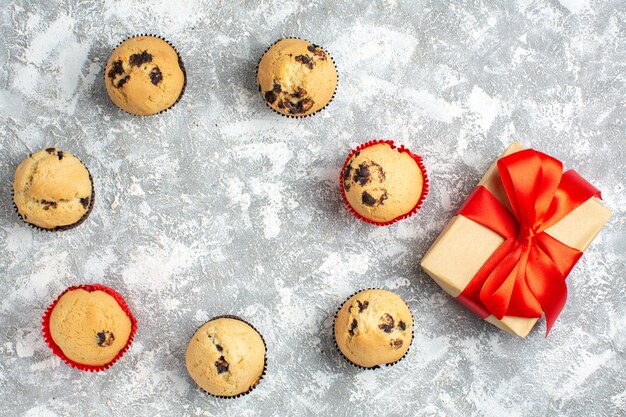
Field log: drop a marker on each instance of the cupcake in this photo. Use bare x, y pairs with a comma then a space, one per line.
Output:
53, 190
382, 184
373, 328
296, 77
144, 76
226, 357
89, 327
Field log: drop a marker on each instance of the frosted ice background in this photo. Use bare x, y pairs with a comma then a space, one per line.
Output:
221, 206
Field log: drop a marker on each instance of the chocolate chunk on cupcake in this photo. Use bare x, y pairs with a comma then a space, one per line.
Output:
296, 77
382, 184
89, 327
373, 328
226, 357
53, 190
144, 76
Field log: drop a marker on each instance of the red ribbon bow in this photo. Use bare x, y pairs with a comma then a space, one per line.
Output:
526, 275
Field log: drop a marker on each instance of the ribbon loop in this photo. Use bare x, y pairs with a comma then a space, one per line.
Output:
525, 276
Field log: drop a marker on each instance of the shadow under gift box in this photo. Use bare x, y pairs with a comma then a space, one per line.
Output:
464, 246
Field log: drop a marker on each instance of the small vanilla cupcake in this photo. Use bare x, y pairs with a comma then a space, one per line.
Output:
382, 184
52, 190
296, 77
373, 328
89, 326
226, 357
144, 76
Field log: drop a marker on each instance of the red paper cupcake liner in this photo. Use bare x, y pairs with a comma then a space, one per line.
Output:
375, 366
295, 116
45, 322
420, 164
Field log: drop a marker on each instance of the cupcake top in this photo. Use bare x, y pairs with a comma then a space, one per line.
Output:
226, 357
143, 75
90, 327
374, 327
52, 189
296, 77
381, 183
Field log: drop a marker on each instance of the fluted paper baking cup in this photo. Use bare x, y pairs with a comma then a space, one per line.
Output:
45, 322
180, 64
230, 316
376, 366
80, 221
420, 164
295, 116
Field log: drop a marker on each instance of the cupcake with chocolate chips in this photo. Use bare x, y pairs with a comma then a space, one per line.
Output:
226, 357
89, 327
296, 77
144, 76
373, 328
382, 184
52, 190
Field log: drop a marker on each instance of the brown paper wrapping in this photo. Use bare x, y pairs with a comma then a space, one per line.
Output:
464, 246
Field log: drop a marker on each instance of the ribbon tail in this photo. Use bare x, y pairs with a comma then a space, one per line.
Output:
547, 285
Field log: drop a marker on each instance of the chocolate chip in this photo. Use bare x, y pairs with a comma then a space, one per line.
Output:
320, 53
368, 199
84, 201
156, 76
281, 105
362, 305
289, 106
357, 153
362, 174
276, 88
353, 326
382, 198
346, 175
48, 204
305, 60
221, 365
402, 325
396, 343
270, 97
317, 51
105, 338
49, 150
300, 93
140, 59
299, 107
123, 81
219, 348
116, 68
305, 105
386, 323
60, 155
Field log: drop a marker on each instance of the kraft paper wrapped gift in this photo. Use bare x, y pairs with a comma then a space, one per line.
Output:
464, 246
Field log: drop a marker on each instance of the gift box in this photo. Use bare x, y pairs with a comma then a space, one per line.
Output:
506, 253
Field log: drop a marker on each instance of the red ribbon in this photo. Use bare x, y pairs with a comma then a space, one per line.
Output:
526, 275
